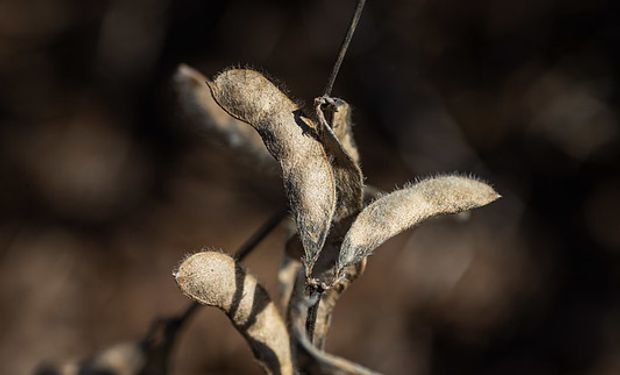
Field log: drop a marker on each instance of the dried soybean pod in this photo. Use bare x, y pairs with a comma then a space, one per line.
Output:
403, 209
215, 279
347, 173
197, 103
292, 139
342, 125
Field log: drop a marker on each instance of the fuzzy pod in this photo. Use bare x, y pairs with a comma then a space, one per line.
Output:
347, 173
197, 104
215, 279
293, 140
406, 208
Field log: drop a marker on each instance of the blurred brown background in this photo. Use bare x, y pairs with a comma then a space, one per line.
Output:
105, 187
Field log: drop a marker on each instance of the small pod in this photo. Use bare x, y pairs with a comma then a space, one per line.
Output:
406, 208
215, 279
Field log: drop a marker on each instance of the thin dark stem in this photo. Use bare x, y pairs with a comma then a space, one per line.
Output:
189, 311
344, 46
168, 327
259, 235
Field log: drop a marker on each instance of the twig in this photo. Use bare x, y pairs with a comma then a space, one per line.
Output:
344, 46
260, 234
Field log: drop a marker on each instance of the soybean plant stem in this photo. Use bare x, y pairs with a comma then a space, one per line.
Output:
344, 46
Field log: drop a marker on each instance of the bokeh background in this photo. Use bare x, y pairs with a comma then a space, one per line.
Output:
105, 186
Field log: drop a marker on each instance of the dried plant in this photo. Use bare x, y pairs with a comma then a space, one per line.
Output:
323, 182
339, 222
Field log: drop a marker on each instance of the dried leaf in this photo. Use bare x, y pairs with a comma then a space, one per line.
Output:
347, 173
403, 209
215, 279
293, 140
197, 103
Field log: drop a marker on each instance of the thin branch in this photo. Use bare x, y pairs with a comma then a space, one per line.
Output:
260, 234
344, 46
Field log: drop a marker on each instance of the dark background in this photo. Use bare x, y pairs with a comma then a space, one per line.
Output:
105, 187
